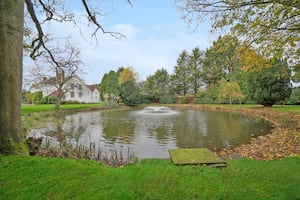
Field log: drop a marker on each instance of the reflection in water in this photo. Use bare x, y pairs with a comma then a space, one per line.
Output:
150, 134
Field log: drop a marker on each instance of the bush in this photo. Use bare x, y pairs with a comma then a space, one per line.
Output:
166, 99
37, 98
205, 97
49, 100
144, 99
111, 100
185, 100
270, 85
203, 100
295, 97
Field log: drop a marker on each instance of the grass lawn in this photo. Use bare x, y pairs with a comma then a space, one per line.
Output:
54, 178
51, 107
288, 108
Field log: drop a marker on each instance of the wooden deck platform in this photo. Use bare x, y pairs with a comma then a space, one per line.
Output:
194, 156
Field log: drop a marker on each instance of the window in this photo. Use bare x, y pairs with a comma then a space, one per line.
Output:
80, 94
72, 94
80, 87
72, 86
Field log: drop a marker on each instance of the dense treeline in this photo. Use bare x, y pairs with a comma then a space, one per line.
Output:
227, 72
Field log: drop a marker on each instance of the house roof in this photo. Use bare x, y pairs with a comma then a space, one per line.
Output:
93, 87
53, 80
54, 94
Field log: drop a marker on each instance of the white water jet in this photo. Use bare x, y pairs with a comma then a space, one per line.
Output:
157, 110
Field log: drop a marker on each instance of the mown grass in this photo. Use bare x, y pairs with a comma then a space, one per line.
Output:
288, 108
280, 108
54, 178
50, 107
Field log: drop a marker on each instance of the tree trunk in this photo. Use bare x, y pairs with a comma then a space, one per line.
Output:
11, 56
60, 79
58, 98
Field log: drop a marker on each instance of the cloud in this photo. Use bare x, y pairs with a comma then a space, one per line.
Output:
145, 52
146, 48
128, 30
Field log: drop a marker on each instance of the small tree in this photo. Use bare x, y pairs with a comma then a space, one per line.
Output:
271, 85
195, 64
110, 84
180, 78
127, 74
37, 97
158, 86
129, 93
221, 60
230, 90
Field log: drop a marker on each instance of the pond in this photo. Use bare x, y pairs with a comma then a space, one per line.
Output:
150, 132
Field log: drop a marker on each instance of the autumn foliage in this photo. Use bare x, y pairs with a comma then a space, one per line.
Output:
284, 140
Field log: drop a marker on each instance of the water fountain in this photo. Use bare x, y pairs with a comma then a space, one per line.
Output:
157, 110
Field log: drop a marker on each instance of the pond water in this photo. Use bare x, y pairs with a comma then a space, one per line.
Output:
150, 132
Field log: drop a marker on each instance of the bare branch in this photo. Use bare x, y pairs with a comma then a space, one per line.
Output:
47, 9
39, 41
92, 18
52, 13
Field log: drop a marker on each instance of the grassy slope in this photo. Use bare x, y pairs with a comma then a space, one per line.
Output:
54, 178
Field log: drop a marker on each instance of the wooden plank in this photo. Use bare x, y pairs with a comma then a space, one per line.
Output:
190, 156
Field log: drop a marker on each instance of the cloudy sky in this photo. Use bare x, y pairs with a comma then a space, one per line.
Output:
155, 36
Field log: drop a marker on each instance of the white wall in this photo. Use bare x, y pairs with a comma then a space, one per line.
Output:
76, 90
46, 89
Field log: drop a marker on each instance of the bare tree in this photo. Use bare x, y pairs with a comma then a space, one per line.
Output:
11, 54
69, 66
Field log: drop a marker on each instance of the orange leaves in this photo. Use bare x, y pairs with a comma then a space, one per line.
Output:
275, 145
283, 141
127, 74
251, 60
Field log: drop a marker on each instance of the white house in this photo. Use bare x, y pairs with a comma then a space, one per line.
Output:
75, 90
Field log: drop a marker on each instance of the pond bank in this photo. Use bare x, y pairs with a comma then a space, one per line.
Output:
283, 141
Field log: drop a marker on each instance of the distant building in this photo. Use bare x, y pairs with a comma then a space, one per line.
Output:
74, 90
